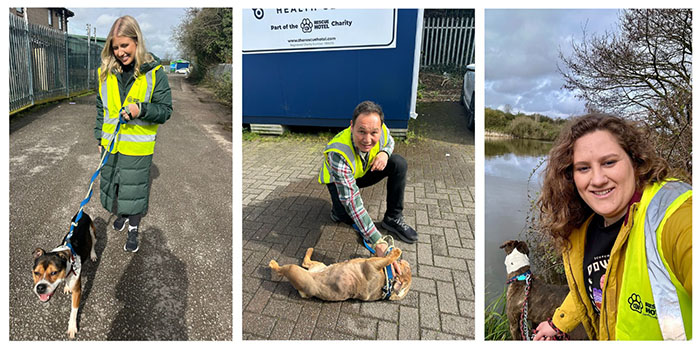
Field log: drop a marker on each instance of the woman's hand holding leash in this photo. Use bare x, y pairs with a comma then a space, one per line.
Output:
131, 112
545, 332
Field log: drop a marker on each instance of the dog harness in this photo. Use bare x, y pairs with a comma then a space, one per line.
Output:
388, 270
74, 264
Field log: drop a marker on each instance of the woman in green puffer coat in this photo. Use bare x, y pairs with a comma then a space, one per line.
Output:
131, 84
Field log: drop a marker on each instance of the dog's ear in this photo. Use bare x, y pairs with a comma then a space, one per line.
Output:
508, 246
37, 253
522, 247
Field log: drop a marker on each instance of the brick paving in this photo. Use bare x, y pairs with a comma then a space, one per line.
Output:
285, 211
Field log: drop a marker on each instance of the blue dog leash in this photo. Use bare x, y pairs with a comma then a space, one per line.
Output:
389, 271
85, 201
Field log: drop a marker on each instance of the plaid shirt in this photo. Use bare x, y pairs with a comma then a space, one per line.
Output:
349, 194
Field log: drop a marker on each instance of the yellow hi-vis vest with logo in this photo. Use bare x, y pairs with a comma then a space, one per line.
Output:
342, 144
137, 137
653, 304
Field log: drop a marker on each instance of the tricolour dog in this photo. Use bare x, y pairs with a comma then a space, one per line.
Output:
543, 298
361, 278
52, 268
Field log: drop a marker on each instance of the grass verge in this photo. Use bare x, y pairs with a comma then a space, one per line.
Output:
495, 319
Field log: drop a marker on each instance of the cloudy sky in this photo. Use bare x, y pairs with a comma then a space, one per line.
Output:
522, 53
156, 24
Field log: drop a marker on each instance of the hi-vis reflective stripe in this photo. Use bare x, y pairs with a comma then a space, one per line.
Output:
115, 121
668, 309
149, 84
345, 149
140, 122
131, 138
105, 102
382, 137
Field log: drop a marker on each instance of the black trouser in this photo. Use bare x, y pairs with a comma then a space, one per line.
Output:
395, 170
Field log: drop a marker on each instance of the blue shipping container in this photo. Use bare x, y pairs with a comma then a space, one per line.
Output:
321, 88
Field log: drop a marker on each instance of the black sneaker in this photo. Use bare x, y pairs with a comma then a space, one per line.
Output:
400, 228
120, 223
132, 241
345, 220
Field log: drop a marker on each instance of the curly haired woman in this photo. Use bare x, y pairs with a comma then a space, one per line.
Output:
625, 231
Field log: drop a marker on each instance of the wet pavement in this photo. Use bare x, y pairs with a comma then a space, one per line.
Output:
285, 211
178, 285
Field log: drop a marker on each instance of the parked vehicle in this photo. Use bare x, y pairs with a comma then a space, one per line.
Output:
467, 98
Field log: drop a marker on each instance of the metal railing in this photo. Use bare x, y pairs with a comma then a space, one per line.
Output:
447, 41
46, 64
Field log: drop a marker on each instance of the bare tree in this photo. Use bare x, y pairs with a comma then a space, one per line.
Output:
641, 72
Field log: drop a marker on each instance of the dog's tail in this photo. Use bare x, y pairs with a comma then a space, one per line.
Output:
274, 266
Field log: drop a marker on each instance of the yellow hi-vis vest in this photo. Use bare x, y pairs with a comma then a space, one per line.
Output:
137, 137
342, 144
653, 304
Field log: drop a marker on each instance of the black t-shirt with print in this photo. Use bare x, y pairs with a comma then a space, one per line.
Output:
599, 243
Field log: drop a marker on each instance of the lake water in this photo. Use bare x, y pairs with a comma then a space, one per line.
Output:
508, 165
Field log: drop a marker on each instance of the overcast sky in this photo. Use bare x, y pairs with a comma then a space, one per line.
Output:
522, 53
156, 24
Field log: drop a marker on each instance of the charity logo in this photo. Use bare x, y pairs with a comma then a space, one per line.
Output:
635, 302
258, 13
306, 25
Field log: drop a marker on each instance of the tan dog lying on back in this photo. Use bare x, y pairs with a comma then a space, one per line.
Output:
361, 278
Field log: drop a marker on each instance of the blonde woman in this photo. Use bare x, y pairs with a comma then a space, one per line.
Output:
131, 84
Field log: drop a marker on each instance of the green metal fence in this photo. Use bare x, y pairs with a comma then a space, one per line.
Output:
46, 64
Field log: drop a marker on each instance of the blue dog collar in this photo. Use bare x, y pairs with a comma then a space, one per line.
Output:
521, 277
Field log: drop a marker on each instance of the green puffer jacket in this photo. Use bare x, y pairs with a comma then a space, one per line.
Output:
126, 179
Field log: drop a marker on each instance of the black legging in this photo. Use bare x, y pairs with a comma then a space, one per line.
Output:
134, 220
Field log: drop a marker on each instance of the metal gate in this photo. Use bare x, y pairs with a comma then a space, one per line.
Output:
448, 38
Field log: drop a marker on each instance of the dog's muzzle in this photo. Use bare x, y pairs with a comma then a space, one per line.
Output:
42, 292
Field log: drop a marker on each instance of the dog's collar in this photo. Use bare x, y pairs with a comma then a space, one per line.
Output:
521, 277
389, 285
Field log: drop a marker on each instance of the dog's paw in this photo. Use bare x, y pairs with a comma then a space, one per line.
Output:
72, 331
93, 256
395, 253
274, 265
66, 289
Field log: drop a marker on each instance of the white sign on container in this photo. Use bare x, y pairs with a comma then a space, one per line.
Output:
294, 30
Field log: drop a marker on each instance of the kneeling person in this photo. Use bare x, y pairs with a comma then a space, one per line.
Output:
360, 156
